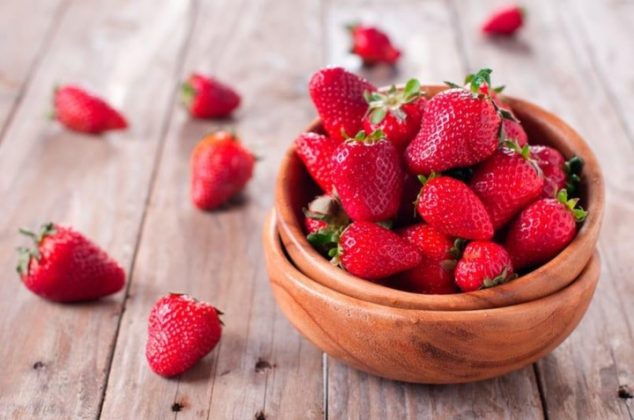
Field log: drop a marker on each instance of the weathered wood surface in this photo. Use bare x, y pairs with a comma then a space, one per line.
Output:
129, 192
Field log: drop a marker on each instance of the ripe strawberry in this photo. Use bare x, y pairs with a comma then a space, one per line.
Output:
460, 128
511, 127
221, 167
316, 151
483, 264
314, 225
80, 111
368, 177
373, 252
64, 266
558, 173
181, 331
507, 182
206, 97
451, 207
338, 97
372, 45
434, 274
543, 229
504, 21
397, 113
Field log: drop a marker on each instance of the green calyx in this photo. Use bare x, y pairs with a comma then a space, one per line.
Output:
188, 93
363, 137
475, 81
571, 204
327, 209
501, 278
25, 254
425, 179
392, 101
456, 253
573, 167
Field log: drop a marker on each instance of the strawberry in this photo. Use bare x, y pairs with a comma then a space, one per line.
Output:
181, 331
451, 207
221, 168
64, 266
511, 127
368, 177
80, 111
543, 229
507, 182
504, 21
338, 97
373, 252
434, 274
314, 225
372, 45
397, 113
558, 173
461, 128
483, 264
316, 151
206, 97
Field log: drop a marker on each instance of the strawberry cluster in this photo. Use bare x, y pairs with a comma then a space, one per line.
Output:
434, 195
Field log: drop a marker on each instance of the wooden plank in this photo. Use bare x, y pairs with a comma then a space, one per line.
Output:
432, 51
56, 357
549, 64
261, 364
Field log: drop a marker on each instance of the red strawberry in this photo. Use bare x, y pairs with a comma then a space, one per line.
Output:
373, 252
558, 173
504, 21
316, 151
507, 182
373, 45
483, 264
397, 113
511, 127
221, 167
206, 97
434, 274
64, 266
325, 220
368, 177
451, 207
543, 229
181, 331
460, 128
80, 111
338, 97
314, 225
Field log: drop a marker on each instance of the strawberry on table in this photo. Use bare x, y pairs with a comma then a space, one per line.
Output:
81, 111
64, 266
181, 331
372, 45
207, 97
316, 151
558, 172
483, 264
504, 21
221, 167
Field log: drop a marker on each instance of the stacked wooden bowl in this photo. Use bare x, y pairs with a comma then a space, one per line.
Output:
435, 338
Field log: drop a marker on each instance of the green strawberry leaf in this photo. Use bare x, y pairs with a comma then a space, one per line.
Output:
377, 115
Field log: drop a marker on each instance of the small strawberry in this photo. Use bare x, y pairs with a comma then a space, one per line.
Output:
206, 97
316, 151
483, 264
511, 127
397, 113
451, 207
558, 173
181, 331
543, 229
80, 111
504, 21
221, 168
64, 266
373, 252
507, 182
368, 177
338, 97
372, 45
314, 225
324, 220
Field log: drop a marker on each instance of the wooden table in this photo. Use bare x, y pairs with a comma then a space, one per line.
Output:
129, 191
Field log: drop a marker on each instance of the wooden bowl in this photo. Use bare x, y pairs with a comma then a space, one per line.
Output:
295, 189
425, 346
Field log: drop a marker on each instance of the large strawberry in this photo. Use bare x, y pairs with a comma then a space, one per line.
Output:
373, 252
64, 266
504, 21
558, 172
316, 151
368, 177
372, 45
81, 111
221, 167
483, 264
543, 229
338, 97
181, 331
451, 207
206, 97
507, 182
461, 128
396, 112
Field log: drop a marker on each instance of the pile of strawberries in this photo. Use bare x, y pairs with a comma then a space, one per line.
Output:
433, 195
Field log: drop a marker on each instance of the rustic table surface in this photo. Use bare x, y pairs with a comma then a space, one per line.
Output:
129, 192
